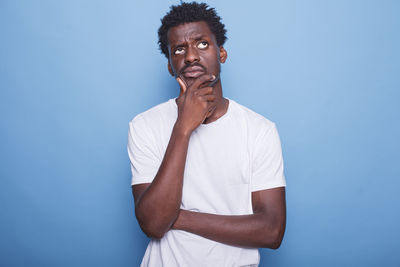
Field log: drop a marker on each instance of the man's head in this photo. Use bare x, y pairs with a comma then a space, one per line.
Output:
191, 37
190, 12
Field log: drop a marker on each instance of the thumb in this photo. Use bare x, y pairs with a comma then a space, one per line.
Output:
182, 84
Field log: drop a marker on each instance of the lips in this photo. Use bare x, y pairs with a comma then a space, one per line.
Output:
193, 72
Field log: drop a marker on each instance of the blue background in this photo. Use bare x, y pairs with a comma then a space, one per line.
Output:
74, 73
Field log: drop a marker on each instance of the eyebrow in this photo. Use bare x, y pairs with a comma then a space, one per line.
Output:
199, 37
196, 38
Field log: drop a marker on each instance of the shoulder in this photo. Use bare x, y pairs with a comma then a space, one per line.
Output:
155, 115
255, 122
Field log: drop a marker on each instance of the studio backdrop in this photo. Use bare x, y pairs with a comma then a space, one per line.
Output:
74, 73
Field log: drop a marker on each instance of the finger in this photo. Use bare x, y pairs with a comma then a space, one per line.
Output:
204, 91
210, 83
213, 82
206, 83
202, 79
208, 98
182, 84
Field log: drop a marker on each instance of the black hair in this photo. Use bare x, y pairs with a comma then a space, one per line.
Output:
190, 12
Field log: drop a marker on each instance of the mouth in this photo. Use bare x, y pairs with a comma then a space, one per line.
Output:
193, 72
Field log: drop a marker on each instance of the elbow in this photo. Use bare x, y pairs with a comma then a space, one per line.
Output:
152, 232
276, 243
273, 239
151, 227
278, 237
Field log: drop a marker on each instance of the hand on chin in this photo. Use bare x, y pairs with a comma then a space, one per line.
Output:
189, 81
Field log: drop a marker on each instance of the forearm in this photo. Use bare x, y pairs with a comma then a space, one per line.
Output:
158, 206
255, 230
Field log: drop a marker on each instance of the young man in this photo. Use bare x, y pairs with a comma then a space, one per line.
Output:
207, 173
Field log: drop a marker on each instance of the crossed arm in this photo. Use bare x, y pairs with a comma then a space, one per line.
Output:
264, 228
157, 204
157, 207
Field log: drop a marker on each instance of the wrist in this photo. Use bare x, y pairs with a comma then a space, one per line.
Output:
180, 220
182, 131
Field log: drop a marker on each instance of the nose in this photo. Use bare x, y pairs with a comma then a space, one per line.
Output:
191, 55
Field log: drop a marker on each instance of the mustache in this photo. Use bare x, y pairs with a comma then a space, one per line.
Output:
192, 65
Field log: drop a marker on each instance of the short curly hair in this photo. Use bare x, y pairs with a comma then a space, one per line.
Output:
190, 12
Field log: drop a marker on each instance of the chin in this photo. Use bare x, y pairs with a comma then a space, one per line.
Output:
190, 81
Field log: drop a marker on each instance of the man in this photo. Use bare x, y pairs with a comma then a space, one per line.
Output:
207, 173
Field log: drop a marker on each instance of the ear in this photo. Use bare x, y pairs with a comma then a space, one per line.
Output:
170, 69
223, 55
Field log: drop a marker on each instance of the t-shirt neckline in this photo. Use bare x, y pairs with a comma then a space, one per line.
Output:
216, 122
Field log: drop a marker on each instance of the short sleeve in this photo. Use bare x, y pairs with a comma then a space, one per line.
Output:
267, 170
142, 153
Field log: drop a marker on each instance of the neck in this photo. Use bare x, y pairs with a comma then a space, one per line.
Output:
222, 104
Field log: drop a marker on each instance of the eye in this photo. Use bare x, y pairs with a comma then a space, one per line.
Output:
202, 45
179, 51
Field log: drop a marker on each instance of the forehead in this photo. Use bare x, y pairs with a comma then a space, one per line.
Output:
188, 31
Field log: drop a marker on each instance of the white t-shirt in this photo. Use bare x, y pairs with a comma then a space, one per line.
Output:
227, 160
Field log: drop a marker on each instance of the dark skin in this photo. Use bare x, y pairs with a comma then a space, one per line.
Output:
195, 60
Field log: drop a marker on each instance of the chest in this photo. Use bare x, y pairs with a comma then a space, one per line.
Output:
217, 172
219, 156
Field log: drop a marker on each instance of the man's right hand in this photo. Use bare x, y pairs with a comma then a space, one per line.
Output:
195, 103
157, 204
